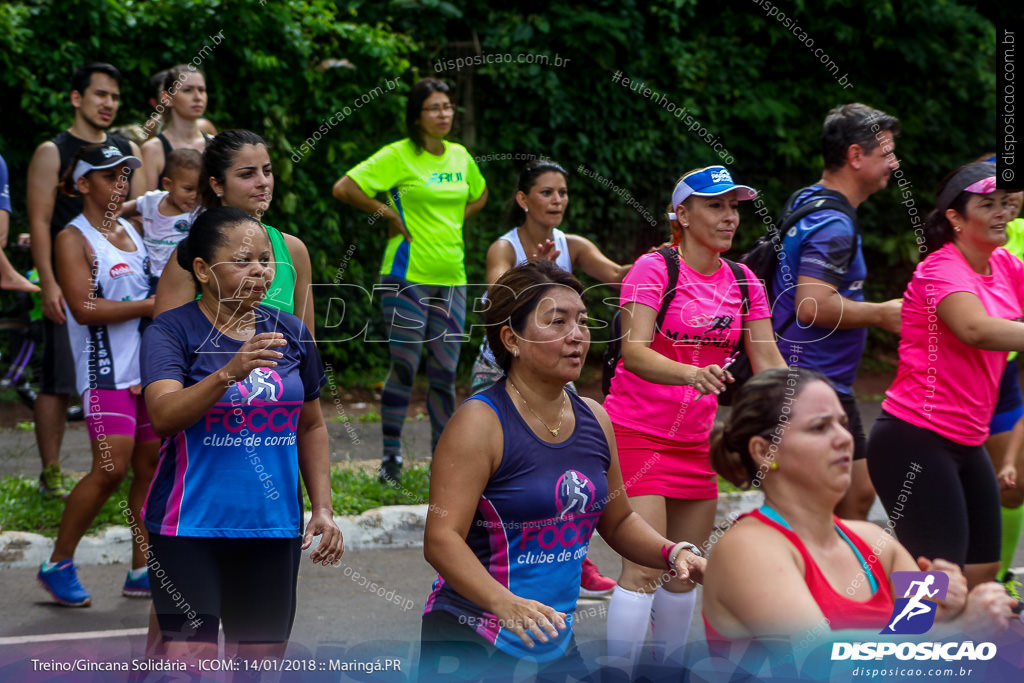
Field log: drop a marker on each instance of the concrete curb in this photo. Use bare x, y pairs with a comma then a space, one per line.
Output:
393, 526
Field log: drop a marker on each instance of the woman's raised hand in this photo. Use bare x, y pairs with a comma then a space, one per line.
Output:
258, 352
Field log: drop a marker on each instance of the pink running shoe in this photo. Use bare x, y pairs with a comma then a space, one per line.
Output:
593, 584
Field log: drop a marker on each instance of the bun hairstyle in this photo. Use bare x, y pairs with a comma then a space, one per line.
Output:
515, 296
761, 407
208, 233
514, 215
220, 153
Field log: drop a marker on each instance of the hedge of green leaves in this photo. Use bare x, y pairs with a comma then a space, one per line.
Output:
745, 71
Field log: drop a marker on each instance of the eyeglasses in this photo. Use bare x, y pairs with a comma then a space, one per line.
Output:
438, 108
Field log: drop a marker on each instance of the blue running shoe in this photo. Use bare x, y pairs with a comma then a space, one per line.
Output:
136, 588
62, 584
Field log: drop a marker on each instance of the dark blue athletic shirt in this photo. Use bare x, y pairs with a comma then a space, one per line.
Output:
533, 523
820, 246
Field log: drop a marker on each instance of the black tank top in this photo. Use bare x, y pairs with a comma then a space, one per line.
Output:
65, 208
167, 151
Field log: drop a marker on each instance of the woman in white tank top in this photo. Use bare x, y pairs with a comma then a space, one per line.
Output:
107, 281
537, 209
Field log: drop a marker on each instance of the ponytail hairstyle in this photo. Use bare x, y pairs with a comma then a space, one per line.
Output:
220, 153
938, 231
757, 411
68, 186
674, 224
173, 76
535, 168
209, 233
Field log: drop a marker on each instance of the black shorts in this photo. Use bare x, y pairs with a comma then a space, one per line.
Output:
942, 497
855, 425
58, 363
246, 583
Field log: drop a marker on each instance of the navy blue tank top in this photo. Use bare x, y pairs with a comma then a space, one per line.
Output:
532, 526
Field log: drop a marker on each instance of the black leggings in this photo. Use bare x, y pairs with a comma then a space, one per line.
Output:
246, 583
942, 497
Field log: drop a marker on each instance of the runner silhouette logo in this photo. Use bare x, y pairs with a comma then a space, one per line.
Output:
917, 595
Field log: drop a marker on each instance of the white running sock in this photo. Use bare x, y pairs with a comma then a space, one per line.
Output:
670, 625
49, 566
629, 613
136, 574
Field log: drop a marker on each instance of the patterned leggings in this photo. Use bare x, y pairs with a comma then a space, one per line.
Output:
416, 315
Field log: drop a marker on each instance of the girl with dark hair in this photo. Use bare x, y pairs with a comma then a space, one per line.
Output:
775, 573
233, 386
520, 464
107, 282
183, 93
662, 399
961, 314
236, 172
432, 187
535, 212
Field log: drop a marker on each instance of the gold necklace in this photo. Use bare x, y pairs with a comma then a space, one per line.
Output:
561, 413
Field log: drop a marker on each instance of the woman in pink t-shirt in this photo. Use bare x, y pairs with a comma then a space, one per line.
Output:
662, 401
961, 315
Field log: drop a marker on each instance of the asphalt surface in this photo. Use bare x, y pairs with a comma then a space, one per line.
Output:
365, 610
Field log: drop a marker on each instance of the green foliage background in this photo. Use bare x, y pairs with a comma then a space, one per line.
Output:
743, 74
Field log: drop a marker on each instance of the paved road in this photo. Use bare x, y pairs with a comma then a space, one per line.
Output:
341, 616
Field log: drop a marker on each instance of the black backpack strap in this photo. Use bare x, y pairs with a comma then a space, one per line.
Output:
671, 256
819, 200
741, 280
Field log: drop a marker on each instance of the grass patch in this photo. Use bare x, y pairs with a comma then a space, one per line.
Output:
23, 508
353, 491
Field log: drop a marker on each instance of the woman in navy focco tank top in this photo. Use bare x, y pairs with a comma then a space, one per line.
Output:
523, 475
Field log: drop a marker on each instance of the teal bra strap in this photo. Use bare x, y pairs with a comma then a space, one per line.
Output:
771, 514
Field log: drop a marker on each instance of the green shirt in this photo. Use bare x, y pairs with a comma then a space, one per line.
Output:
281, 294
430, 193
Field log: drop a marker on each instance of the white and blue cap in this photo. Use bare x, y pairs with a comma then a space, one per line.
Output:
100, 157
708, 182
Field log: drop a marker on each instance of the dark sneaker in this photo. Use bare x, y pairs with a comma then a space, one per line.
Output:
51, 482
136, 588
62, 584
390, 471
593, 584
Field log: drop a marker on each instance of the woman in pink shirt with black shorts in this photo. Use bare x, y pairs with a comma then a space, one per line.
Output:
961, 315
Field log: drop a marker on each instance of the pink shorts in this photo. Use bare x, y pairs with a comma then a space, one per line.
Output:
655, 466
116, 412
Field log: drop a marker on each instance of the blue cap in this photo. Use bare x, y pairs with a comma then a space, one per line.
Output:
709, 182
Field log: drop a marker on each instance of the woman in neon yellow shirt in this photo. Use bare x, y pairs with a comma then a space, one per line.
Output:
432, 187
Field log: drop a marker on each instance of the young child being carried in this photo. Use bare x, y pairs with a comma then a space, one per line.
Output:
167, 215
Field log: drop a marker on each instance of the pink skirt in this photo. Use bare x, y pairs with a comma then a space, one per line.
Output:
654, 466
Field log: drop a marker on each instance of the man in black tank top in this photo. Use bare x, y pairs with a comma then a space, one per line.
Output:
95, 96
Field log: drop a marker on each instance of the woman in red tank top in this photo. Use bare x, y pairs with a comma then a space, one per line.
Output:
792, 569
